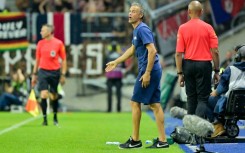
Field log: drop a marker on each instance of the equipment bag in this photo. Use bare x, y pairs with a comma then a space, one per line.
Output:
182, 136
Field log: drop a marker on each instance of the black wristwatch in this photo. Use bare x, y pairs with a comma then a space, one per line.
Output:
216, 71
179, 73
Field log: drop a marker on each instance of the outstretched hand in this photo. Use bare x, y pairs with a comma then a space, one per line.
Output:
110, 66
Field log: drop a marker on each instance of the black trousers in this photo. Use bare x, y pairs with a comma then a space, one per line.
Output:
198, 76
118, 84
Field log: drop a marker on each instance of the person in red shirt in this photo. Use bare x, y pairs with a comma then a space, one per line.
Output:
48, 70
198, 44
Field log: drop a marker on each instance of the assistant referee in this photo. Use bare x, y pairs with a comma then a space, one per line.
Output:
48, 70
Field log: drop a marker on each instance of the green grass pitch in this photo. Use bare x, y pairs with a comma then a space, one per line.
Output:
78, 133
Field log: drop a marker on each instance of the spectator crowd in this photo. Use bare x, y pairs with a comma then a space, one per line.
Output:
88, 6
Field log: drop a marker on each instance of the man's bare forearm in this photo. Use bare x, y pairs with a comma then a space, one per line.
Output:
128, 53
178, 60
151, 56
215, 55
64, 67
35, 68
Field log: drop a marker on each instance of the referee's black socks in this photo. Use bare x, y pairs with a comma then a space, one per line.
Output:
44, 108
55, 108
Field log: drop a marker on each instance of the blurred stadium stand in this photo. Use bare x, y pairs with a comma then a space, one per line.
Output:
93, 24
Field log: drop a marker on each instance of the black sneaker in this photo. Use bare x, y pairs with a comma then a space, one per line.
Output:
56, 122
158, 144
45, 123
130, 144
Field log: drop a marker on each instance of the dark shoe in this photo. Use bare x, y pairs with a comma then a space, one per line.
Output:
56, 122
130, 144
45, 123
158, 144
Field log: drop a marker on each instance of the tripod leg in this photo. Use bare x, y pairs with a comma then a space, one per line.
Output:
202, 149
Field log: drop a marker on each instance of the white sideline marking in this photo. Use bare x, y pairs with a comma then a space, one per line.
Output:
19, 124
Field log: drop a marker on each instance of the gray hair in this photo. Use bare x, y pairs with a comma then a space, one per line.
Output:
142, 11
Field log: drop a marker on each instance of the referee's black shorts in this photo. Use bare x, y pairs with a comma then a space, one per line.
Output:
48, 80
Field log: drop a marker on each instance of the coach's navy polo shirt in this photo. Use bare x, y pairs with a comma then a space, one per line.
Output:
142, 36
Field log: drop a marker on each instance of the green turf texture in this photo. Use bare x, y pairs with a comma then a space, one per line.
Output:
78, 133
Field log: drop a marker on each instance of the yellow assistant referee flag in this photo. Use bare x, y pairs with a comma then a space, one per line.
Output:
32, 105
